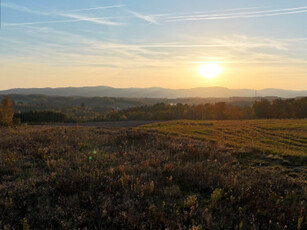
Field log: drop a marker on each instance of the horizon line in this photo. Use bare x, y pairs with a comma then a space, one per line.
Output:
150, 87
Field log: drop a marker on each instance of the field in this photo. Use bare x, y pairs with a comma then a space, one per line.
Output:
285, 137
279, 140
173, 175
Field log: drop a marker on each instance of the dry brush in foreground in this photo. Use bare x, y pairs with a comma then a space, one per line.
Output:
96, 178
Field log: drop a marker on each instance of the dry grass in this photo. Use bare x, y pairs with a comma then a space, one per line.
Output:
97, 178
286, 137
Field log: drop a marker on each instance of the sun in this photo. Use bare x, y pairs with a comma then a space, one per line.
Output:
210, 70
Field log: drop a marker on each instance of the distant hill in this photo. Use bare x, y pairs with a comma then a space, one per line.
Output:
155, 92
45, 102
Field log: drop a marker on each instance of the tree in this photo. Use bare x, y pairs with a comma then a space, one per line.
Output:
6, 112
261, 109
219, 112
42, 116
279, 109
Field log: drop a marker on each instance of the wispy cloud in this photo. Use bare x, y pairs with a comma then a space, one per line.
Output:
77, 18
96, 8
56, 46
22, 9
246, 14
214, 11
149, 18
31, 11
102, 21
52, 47
239, 13
5, 24
67, 14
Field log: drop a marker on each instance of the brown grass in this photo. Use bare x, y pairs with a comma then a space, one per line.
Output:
97, 178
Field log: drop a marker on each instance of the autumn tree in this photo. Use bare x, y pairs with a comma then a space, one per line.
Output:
262, 109
220, 111
6, 112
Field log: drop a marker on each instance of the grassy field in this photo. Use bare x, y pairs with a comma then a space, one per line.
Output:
285, 137
136, 178
270, 143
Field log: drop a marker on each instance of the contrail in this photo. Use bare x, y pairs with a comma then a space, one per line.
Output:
95, 8
252, 14
101, 21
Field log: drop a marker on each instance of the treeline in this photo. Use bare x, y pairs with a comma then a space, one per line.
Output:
264, 109
43, 117
278, 109
161, 111
8, 117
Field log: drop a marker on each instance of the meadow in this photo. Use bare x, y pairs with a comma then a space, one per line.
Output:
173, 175
285, 138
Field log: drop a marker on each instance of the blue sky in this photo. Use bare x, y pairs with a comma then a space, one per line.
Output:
259, 44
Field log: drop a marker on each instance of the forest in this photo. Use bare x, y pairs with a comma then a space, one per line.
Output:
259, 109
263, 109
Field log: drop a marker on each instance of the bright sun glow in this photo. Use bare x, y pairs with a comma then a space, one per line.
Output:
210, 70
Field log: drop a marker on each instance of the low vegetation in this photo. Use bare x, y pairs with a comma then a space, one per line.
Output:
95, 178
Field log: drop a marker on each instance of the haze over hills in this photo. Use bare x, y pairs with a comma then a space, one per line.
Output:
156, 92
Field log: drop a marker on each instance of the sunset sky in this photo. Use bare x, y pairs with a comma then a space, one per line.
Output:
162, 43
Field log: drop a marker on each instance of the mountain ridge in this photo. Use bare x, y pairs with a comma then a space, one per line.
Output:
155, 92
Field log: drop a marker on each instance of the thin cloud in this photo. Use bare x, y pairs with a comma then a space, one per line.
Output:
212, 11
38, 23
240, 13
245, 16
67, 14
86, 50
282, 61
28, 10
249, 14
231, 42
96, 8
149, 18
22, 9
102, 21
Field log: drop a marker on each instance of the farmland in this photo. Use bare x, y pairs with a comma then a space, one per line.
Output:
262, 142
175, 175
285, 137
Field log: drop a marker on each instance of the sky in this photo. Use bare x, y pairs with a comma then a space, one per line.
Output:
161, 43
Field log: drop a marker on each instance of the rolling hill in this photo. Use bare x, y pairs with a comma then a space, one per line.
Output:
155, 92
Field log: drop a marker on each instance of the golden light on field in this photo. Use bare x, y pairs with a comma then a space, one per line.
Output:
210, 70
